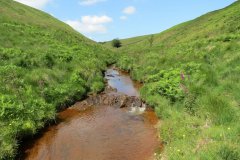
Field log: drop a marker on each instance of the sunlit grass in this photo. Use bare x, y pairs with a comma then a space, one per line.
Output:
44, 66
191, 77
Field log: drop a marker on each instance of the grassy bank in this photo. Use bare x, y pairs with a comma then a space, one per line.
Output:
44, 66
191, 76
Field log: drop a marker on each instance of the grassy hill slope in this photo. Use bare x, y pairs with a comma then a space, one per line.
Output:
44, 65
191, 76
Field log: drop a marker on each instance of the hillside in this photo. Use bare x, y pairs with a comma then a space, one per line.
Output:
44, 66
211, 25
191, 76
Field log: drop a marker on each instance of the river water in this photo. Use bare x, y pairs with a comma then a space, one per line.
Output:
99, 132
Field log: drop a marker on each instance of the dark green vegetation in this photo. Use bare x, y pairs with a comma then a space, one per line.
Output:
44, 66
116, 43
191, 76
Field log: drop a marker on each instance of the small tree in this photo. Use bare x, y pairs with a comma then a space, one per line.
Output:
116, 43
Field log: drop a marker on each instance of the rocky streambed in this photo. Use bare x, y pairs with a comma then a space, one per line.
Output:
112, 125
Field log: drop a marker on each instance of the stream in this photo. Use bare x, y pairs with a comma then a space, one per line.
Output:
113, 125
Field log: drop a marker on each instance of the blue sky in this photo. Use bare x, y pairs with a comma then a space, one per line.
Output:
103, 20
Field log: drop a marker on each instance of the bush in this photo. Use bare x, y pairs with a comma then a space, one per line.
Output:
116, 43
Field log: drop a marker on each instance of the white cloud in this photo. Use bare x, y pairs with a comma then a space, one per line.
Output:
89, 2
39, 4
86, 28
90, 24
129, 10
123, 17
96, 19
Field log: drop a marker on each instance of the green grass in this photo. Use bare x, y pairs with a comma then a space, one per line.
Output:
191, 77
44, 66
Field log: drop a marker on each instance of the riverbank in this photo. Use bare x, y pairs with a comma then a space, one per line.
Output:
114, 124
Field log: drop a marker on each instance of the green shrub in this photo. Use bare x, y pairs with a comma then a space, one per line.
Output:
116, 43
48, 60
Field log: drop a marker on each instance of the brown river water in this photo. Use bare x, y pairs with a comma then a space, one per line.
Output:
99, 132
